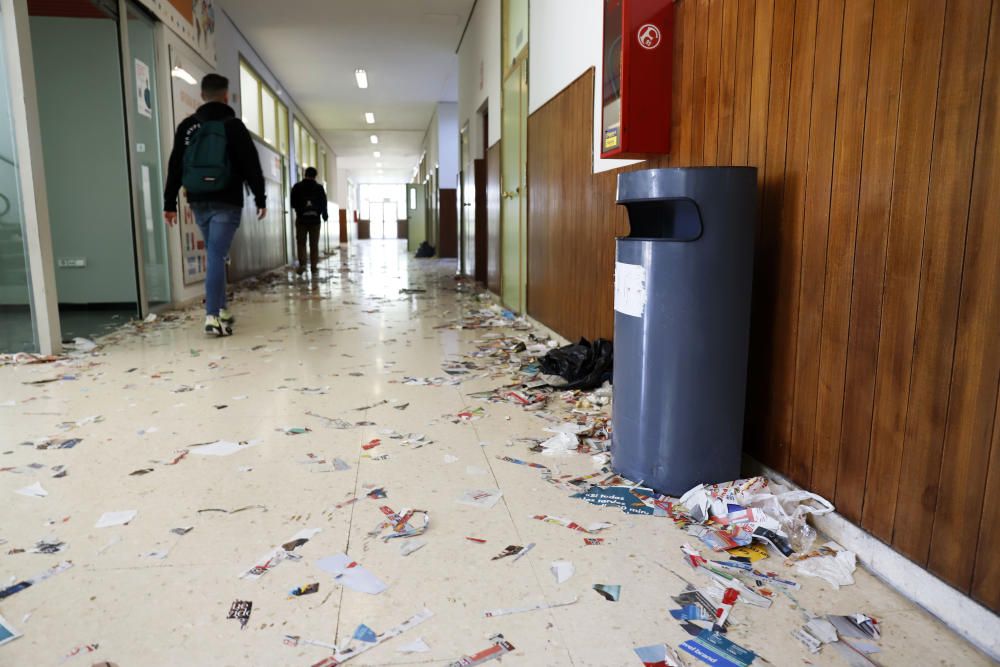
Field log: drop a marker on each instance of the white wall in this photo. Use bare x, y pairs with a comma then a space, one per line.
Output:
448, 140
479, 74
565, 40
431, 147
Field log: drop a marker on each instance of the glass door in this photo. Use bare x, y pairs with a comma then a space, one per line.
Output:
375, 213
389, 215
145, 153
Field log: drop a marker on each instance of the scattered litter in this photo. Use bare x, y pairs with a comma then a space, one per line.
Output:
272, 558
511, 550
49, 547
140, 471
481, 498
342, 656
238, 509
371, 444
120, 518
240, 610
499, 648
402, 406
477, 540
350, 574
418, 645
223, 447
83, 648
658, 655
572, 525
584, 365
308, 589
523, 552
610, 592
33, 491
340, 465
492, 613
296, 430
562, 570
37, 579
376, 494
448, 458
593, 541
7, 632
182, 531
830, 562
400, 523
714, 649
409, 546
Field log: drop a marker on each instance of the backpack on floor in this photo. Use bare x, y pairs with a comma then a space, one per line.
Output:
206, 159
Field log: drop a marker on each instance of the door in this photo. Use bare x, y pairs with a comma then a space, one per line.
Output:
513, 180
145, 154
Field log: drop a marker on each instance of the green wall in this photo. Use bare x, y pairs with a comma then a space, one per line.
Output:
83, 143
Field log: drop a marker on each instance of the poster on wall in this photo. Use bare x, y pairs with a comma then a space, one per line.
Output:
185, 92
192, 20
143, 91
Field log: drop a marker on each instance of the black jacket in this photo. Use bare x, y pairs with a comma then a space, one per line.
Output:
242, 156
303, 191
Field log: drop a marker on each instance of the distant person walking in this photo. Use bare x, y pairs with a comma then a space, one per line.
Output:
213, 156
309, 202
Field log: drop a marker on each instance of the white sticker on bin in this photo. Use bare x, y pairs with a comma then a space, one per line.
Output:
630, 289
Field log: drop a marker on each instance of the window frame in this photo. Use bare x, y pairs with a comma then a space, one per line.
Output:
280, 110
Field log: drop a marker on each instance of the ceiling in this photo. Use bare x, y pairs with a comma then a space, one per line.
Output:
406, 46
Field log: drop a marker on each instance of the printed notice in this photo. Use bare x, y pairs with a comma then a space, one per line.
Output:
630, 289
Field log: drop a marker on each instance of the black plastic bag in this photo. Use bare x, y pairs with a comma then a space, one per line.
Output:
425, 250
584, 365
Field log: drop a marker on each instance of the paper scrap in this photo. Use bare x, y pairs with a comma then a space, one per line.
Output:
562, 570
7, 632
342, 656
499, 648
589, 528
418, 645
714, 649
223, 447
33, 491
610, 592
492, 613
365, 634
240, 610
485, 498
347, 572
307, 589
120, 518
37, 579
658, 655
272, 558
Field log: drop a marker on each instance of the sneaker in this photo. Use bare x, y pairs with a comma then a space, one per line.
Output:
226, 317
214, 327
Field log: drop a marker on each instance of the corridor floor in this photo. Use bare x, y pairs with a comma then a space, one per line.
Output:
306, 355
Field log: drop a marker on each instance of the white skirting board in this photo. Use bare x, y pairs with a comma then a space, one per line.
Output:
968, 618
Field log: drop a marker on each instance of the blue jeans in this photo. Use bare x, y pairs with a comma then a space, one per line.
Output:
218, 224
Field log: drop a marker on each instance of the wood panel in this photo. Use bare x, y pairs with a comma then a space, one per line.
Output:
448, 230
875, 128
493, 218
342, 223
481, 224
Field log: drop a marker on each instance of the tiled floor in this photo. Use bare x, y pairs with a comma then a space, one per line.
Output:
354, 334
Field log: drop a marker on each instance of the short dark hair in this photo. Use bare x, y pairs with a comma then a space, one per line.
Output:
214, 85
311, 172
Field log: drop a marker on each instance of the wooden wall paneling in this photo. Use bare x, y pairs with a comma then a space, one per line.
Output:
481, 225
790, 226
493, 218
759, 87
698, 98
972, 406
815, 232
840, 244
761, 400
984, 231
959, 94
917, 105
727, 83
448, 225
713, 79
685, 24
677, 121
744, 79
881, 117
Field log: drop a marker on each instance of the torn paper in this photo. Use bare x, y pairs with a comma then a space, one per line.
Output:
348, 573
484, 498
120, 518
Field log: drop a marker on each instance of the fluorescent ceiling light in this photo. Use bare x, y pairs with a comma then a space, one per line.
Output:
373, 138
378, 164
361, 77
369, 117
179, 72
377, 154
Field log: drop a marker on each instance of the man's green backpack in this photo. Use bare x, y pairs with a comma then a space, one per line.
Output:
206, 160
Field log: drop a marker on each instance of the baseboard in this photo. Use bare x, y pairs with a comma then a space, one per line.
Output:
958, 611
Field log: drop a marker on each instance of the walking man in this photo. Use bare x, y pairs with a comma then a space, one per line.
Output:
309, 202
213, 156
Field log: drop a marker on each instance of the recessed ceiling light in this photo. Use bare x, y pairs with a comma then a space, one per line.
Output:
369, 117
361, 77
373, 138
377, 154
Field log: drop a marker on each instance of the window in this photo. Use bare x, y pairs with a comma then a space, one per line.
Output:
250, 99
261, 110
269, 116
308, 152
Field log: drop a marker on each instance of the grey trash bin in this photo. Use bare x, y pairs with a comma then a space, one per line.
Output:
682, 322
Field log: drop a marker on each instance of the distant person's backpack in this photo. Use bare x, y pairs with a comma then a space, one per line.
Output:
310, 209
206, 161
